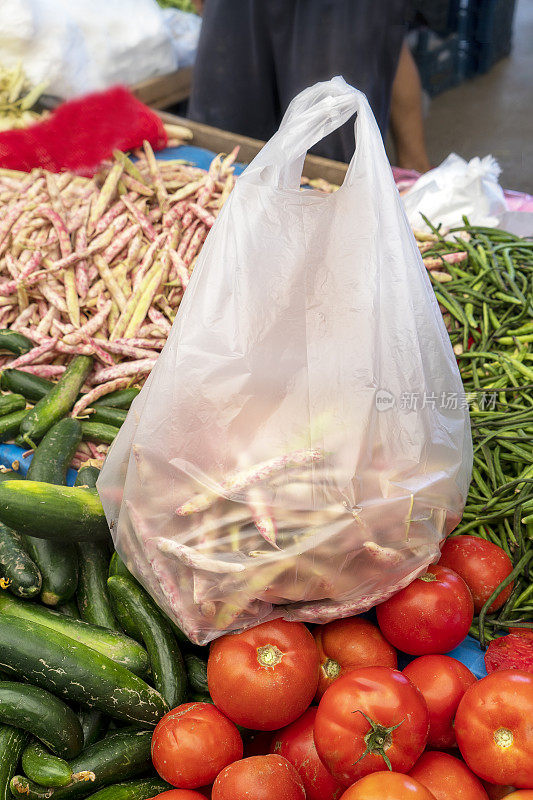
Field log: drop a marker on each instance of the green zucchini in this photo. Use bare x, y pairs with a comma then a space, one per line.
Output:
37, 711
30, 386
57, 402
67, 513
18, 571
15, 342
99, 432
94, 724
10, 403
110, 416
132, 790
68, 609
116, 646
72, 670
10, 424
120, 756
196, 673
166, 662
43, 767
57, 561
123, 398
12, 743
93, 599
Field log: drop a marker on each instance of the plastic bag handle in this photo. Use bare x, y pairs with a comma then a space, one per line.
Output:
312, 115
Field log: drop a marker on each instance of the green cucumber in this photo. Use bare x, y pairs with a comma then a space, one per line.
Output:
19, 573
15, 342
68, 609
123, 398
116, 646
72, 670
57, 561
12, 743
120, 756
126, 621
9, 403
110, 416
196, 673
52, 457
93, 599
67, 513
166, 662
87, 476
10, 424
99, 432
43, 767
132, 790
58, 402
118, 567
30, 386
94, 724
37, 711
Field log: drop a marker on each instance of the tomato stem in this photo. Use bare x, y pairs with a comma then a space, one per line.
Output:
331, 668
378, 739
269, 655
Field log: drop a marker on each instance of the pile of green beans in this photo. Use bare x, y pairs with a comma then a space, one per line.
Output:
488, 309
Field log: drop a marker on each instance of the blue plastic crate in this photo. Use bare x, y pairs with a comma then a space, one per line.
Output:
437, 60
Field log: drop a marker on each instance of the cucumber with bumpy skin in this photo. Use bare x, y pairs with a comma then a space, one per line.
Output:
30, 386
58, 402
196, 673
57, 561
99, 432
9, 403
93, 598
65, 513
120, 756
43, 767
109, 416
18, 571
94, 725
12, 743
10, 424
116, 646
166, 662
37, 711
126, 621
76, 672
15, 342
122, 398
132, 790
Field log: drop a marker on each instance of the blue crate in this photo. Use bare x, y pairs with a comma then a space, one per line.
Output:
437, 60
485, 29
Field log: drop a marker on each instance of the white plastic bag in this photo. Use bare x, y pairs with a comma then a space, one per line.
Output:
79, 47
296, 450
456, 188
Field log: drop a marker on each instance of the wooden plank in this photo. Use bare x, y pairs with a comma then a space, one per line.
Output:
223, 141
163, 91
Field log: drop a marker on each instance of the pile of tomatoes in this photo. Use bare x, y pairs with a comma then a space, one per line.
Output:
327, 714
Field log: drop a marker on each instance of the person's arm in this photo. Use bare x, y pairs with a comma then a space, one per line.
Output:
406, 120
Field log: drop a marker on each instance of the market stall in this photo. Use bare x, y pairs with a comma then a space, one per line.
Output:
93, 273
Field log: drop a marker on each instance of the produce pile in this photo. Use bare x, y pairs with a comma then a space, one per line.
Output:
101, 696
17, 98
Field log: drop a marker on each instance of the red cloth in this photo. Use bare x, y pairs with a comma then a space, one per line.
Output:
81, 133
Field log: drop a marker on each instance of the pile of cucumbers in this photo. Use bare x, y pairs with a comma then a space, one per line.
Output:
88, 662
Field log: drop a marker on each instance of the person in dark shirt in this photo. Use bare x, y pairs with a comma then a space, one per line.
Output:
254, 56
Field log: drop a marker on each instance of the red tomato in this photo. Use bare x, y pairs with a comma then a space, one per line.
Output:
431, 615
443, 681
514, 651
192, 743
349, 644
481, 564
387, 786
259, 778
265, 677
447, 778
496, 792
370, 718
296, 744
494, 728
179, 794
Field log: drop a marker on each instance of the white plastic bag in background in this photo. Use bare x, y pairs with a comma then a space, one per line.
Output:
184, 29
456, 188
300, 447
80, 47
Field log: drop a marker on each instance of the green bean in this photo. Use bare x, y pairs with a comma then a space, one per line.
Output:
522, 563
